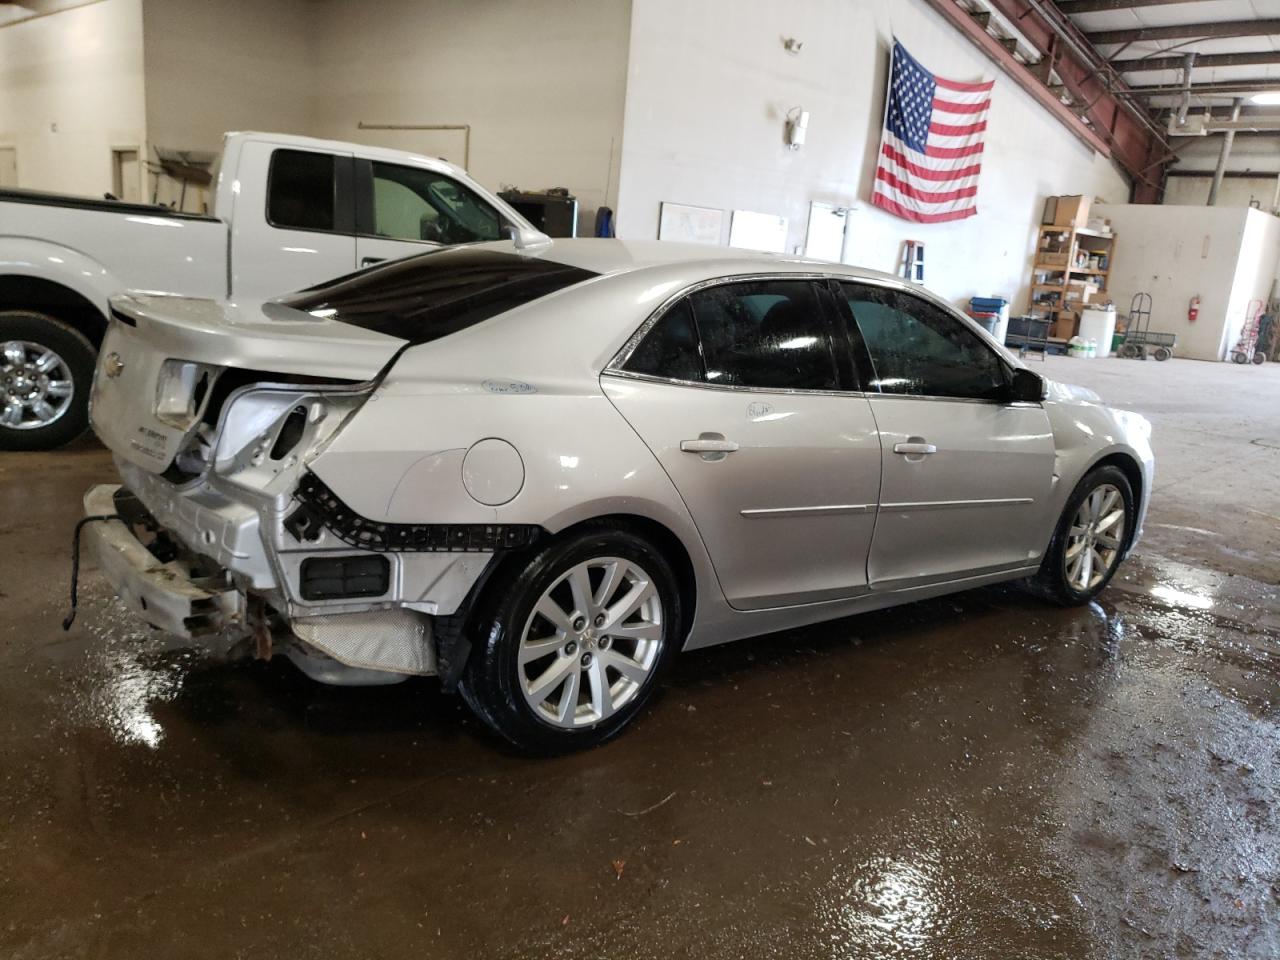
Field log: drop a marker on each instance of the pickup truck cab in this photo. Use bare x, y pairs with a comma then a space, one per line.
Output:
289, 212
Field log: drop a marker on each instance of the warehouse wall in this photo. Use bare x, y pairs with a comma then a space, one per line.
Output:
709, 85
541, 83
71, 89
1235, 191
1225, 255
230, 65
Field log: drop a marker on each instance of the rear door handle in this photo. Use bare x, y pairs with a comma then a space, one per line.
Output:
914, 448
710, 446
370, 261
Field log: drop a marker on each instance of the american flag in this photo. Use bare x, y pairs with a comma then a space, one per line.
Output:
931, 146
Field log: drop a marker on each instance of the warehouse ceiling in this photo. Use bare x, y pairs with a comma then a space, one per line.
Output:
1236, 46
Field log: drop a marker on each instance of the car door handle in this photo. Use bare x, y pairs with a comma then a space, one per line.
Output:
914, 448
708, 445
370, 261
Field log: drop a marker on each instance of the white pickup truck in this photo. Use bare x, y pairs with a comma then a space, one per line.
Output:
289, 212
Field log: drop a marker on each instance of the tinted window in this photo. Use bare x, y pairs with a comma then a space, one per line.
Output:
410, 203
918, 348
769, 334
300, 190
430, 296
670, 348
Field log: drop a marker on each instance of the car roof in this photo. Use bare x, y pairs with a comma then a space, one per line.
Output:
611, 256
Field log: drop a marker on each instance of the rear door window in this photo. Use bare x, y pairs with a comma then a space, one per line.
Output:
772, 334
670, 349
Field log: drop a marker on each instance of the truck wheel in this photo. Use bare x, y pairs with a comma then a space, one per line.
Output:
46, 368
572, 641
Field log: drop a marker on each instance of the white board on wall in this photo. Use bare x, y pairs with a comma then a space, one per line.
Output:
689, 224
758, 231
825, 237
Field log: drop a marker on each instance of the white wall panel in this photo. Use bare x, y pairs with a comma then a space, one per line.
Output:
708, 89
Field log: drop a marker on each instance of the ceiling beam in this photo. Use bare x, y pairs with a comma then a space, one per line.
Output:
1113, 126
1230, 174
1186, 31
976, 32
1218, 89
1072, 7
1265, 58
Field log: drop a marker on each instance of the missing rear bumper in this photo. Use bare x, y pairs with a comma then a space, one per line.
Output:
169, 596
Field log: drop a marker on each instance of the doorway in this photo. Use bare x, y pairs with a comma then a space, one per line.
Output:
8, 166
126, 177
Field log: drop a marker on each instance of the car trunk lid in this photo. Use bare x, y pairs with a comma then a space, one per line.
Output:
163, 357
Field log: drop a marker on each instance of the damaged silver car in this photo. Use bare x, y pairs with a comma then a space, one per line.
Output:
539, 472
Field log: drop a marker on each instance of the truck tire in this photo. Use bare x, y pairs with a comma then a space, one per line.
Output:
46, 369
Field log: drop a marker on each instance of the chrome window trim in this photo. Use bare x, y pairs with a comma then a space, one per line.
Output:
730, 387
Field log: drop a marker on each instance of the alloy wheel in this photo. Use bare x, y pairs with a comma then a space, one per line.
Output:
36, 387
1093, 542
593, 639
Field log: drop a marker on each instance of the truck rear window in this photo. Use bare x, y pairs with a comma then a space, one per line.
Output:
432, 295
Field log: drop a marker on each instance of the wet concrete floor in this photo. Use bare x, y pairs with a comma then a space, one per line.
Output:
977, 776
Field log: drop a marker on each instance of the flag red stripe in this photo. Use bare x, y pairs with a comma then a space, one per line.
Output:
946, 153
898, 210
950, 130
964, 87
924, 196
927, 173
949, 106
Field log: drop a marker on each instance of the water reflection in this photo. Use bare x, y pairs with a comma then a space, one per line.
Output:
130, 677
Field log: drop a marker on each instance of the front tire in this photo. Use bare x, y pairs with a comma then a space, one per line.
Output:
1088, 544
570, 643
46, 370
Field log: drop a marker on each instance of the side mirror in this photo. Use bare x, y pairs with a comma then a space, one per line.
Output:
1025, 386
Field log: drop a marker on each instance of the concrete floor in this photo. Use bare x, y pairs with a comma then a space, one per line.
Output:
980, 776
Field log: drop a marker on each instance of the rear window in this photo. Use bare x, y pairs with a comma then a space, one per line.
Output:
300, 190
430, 296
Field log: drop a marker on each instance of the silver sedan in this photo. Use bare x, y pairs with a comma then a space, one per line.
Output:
539, 472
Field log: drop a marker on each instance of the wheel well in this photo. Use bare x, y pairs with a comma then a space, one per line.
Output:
1133, 473
664, 540
45, 296
453, 632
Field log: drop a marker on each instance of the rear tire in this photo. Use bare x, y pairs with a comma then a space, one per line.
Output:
1162, 353
1239, 357
1088, 533
570, 644
46, 371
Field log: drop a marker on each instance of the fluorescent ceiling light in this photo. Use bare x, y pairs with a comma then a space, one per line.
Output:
1268, 99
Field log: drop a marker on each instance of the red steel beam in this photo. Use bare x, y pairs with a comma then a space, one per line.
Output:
1115, 132
1019, 71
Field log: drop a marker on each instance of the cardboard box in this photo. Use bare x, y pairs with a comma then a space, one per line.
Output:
1071, 212
1064, 328
1048, 258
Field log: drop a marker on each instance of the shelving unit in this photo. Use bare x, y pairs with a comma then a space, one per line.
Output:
1064, 253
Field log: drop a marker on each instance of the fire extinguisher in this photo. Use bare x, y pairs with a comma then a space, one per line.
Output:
1193, 310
